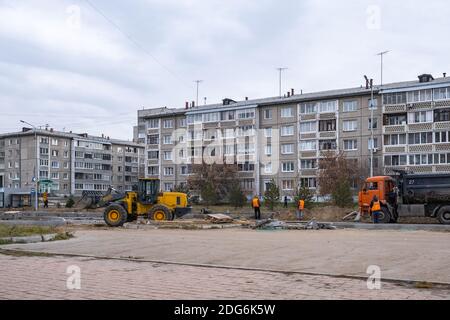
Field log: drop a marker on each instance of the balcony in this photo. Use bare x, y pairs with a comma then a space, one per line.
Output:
395, 149
400, 128
417, 127
308, 136
444, 125
416, 106
308, 154
394, 108
327, 134
308, 117
442, 104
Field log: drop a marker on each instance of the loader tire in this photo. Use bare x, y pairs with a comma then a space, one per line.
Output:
160, 213
115, 215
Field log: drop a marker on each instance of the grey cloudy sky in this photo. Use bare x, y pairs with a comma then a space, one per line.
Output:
63, 64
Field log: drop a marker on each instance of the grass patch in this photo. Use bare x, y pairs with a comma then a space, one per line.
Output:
19, 253
5, 241
423, 285
23, 231
63, 236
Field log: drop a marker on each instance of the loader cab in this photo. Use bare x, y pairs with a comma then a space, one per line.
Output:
148, 190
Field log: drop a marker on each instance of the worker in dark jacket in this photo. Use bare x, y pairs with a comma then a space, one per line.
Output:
256, 204
375, 208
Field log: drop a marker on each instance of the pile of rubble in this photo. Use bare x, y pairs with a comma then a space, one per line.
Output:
273, 224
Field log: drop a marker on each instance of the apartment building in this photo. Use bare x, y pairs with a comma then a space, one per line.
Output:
277, 138
405, 126
68, 163
416, 125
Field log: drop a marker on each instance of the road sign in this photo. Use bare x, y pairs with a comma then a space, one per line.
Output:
33, 179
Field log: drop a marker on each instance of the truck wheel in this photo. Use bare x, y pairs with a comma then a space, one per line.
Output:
160, 213
444, 215
385, 215
115, 215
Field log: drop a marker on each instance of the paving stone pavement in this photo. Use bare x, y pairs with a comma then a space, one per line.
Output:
32, 277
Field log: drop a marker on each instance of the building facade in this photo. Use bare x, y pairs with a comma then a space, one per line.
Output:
406, 126
68, 163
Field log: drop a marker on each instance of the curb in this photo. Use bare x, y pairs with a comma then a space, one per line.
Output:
30, 239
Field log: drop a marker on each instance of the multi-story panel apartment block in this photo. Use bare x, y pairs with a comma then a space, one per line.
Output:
416, 125
70, 163
283, 138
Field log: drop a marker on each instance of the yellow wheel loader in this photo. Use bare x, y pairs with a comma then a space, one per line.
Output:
146, 201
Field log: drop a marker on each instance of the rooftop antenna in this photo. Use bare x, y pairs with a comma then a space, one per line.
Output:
204, 98
198, 84
280, 70
381, 54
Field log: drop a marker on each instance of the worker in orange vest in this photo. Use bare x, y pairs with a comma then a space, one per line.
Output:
375, 208
300, 207
256, 206
45, 198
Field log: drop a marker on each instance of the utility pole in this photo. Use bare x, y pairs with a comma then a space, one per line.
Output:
371, 106
36, 170
198, 84
381, 54
280, 70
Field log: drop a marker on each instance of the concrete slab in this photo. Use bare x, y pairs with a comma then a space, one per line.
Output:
401, 255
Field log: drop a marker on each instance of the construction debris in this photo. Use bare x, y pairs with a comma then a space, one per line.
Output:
219, 218
355, 214
272, 224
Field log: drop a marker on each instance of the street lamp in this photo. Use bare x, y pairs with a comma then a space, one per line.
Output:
36, 171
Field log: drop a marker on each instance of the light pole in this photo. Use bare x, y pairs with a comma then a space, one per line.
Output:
198, 83
36, 171
371, 106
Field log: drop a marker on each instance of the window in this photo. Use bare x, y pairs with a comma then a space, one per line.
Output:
423, 159
167, 139
350, 125
420, 138
308, 108
182, 122
42, 140
153, 170
351, 144
246, 131
66, 165
287, 131
55, 164
168, 171
168, 186
42, 162
268, 114
167, 155
287, 184
373, 104
66, 154
287, 167
54, 142
43, 151
66, 176
287, 112
184, 170
308, 164
394, 98
268, 149
55, 175
246, 114
268, 132
420, 117
153, 123
308, 183
308, 145
55, 153
372, 144
395, 160
419, 96
211, 117
440, 137
327, 145
395, 139
441, 115
327, 106
327, 125
153, 139
153, 155
375, 123
167, 124
441, 93
308, 126
287, 148
227, 115
395, 119
246, 167
349, 106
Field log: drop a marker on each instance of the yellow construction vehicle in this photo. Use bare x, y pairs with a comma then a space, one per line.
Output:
146, 200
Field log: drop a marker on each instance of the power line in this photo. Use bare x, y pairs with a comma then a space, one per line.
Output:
132, 40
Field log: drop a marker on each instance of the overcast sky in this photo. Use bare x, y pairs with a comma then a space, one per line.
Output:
65, 64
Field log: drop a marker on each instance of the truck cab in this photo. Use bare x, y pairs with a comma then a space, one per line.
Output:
381, 186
